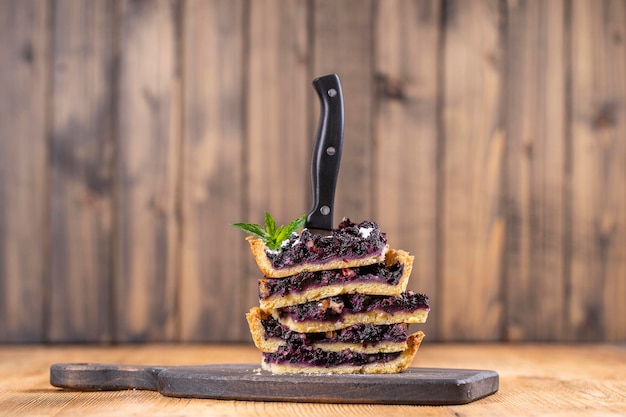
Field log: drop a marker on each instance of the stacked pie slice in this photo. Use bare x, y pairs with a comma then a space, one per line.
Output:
336, 304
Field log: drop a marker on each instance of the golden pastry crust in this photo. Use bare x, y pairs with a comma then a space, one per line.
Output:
254, 318
256, 315
392, 257
394, 366
257, 246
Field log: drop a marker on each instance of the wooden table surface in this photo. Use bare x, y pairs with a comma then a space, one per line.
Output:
538, 379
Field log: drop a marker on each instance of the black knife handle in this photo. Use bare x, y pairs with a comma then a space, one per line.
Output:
326, 152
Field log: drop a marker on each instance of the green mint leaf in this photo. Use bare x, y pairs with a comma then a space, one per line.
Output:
270, 224
294, 226
272, 236
253, 229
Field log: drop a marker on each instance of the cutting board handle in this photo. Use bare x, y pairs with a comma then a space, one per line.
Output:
104, 377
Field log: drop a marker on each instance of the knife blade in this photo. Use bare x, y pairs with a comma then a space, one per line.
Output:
326, 153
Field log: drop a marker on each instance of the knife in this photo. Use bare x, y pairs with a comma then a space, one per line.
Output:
326, 154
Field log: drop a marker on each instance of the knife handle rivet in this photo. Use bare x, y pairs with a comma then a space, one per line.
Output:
330, 150
332, 92
325, 210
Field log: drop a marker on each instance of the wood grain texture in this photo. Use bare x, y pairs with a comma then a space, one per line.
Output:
485, 136
535, 170
535, 379
349, 54
81, 172
406, 133
279, 88
473, 227
598, 151
24, 85
213, 297
147, 231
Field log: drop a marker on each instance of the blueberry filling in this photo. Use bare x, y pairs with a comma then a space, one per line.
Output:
333, 308
309, 356
348, 241
365, 334
377, 273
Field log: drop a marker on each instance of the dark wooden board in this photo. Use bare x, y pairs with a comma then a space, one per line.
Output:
416, 386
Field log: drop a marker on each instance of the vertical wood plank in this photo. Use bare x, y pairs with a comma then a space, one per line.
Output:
405, 181
473, 228
614, 39
24, 59
342, 44
147, 172
213, 283
81, 168
598, 193
535, 167
279, 140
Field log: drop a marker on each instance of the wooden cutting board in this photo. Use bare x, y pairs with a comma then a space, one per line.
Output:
416, 386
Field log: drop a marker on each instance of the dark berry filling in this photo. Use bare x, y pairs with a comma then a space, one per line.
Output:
377, 273
334, 308
309, 356
348, 241
365, 334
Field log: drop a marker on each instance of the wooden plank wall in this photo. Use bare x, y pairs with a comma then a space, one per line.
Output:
487, 137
